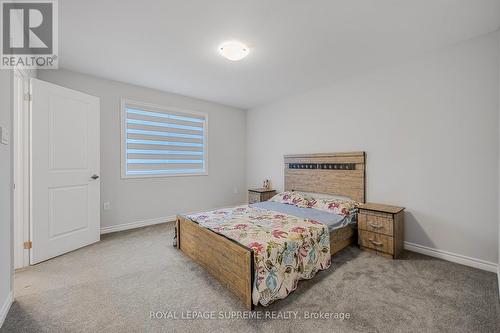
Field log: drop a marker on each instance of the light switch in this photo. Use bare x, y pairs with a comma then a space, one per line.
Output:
4, 136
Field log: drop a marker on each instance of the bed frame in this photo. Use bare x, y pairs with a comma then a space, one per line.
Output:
231, 263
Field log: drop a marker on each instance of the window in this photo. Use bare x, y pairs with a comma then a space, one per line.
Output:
162, 141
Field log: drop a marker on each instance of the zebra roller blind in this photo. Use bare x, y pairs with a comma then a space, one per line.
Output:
162, 141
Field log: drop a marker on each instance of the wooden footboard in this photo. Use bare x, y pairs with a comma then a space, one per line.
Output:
227, 261
230, 262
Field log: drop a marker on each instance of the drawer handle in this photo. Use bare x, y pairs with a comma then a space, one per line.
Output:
376, 243
376, 226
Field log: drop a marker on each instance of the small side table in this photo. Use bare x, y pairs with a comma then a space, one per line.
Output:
260, 194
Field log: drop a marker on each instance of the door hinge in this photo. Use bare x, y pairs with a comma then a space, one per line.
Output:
28, 245
28, 97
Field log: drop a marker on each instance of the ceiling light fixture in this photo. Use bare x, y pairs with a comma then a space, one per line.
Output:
233, 50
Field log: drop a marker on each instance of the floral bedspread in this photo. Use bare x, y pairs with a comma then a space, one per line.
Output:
286, 248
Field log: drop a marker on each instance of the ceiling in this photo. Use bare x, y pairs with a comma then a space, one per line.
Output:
295, 46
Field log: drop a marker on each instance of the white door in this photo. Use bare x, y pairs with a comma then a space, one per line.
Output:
65, 183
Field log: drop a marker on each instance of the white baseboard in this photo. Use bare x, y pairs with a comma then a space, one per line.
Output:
453, 257
498, 277
137, 224
145, 223
6, 307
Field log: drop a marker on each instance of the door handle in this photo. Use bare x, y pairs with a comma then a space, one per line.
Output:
94, 177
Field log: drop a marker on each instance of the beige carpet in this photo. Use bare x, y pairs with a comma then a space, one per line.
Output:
112, 286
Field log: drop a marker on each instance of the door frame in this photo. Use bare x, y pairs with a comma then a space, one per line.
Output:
21, 165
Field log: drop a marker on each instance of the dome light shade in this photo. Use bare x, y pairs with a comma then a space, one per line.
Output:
233, 50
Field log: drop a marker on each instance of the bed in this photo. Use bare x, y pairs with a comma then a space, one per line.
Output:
233, 264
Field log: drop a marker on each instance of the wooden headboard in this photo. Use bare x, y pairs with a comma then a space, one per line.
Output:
336, 173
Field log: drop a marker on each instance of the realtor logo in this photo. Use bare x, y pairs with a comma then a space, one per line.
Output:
29, 34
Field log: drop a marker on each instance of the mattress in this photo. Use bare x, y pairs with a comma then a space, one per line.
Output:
332, 221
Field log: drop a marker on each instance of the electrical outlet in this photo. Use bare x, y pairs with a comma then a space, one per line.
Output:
4, 136
107, 205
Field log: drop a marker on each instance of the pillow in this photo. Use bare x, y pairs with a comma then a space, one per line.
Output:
292, 198
335, 206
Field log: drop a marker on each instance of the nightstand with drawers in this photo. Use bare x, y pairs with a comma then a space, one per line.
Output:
260, 194
381, 229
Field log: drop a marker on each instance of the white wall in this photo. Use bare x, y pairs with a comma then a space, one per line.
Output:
430, 130
135, 200
6, 262
498, 273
